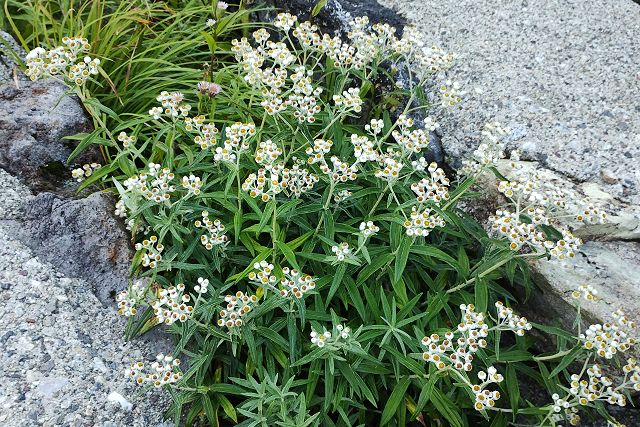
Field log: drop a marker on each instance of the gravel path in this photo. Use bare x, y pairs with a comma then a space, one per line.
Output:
63, 353
563, 74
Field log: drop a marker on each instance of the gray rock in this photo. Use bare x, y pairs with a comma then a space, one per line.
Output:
9, 49
50, 377
335, 16
48, 387
570, 97
81, 238
611, 268
34, 119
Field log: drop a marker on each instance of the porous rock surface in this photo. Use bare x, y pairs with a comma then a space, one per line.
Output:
80, 237
34, 118
565, 77
63, 353
63, 349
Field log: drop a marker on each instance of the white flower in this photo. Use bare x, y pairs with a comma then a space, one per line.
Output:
129, 298
342, 251
165, 370
210, 22
80, 174
192, 184
151, 251
510, 321
171, 305
238, 306
216, 230
202, 286
349, 100
368, 229
296, 284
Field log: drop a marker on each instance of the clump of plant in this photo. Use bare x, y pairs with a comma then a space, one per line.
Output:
314, 265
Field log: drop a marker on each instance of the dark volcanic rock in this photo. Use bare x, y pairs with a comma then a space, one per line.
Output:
335, 16
34, 119
81, 238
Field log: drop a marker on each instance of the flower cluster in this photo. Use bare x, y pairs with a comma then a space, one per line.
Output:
410, 140
173, 106
207, 133
202, 287
216, 231
433, 188
349, 100
127, 140
341, 251
451, 94
296, 284
152, 251
610, 338
340, 171
80, 174
297, 180
63, 60
263, 274
472, 332
236, 142
390, 168
267, 153
363, 149
238, 306
171, 305
422, 221
258, 185
208, 88
490, 150
154, 185
587, 292
165, 370
129, 298
331, 339
632, 374
342, 195
510, 321
192, 184
486, 398
570, 412
368, 229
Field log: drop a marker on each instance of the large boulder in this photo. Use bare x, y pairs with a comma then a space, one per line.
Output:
80, 237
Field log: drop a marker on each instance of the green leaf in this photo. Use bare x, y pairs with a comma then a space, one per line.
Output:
227, 407
318, 7
209, 410
402, 255
513, 388
567, 360
446, 407
395, 399
288, 254
481, 295
337, 281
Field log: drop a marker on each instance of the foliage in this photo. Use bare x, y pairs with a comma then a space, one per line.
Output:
313, 266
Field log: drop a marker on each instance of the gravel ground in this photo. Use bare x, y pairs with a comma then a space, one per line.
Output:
563, 74
63, 352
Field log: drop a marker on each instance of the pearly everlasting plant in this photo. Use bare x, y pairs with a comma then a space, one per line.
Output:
296, 234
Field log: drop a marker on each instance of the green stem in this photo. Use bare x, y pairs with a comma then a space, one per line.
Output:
553, 356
